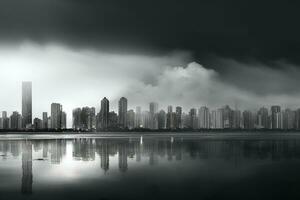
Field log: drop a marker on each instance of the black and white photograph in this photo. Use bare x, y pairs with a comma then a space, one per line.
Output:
149, 100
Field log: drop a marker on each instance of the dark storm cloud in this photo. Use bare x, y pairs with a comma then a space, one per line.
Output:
265, 30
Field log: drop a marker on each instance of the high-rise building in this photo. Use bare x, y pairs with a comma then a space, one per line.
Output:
104, 113
153, 108
203, 118
63, 120
112, 120
49, 122
45, 120
248, 119
161, 119
77, 119
171, 118
193, 119
275, 117
56, 116
27, 104
237, 116
123, 112
262, 118
213, 119
5, 120
130, 119
227, 117
297, 119
178, 117
138, 117
84, 118
15, 121
146, 119
4, 114
37, 123
219, 118
1, 123
289, 119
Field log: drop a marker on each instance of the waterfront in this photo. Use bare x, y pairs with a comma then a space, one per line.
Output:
149, 166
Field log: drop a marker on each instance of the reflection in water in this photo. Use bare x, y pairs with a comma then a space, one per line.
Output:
125, 153
26, 167
123, 149
103, 150
57, 150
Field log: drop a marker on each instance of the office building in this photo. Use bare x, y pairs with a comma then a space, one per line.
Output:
27, 104
123, 103
56, 116
203, 118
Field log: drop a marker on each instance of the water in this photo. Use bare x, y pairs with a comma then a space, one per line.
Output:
150, 167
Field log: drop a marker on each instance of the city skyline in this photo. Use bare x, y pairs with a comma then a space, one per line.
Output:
154, 118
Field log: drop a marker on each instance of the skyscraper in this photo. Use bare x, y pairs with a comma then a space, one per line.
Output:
203, 117
27, 104
5, 120
37, 123
227, 117
171, 118
213, 119
130, 119
153, 108
262, 118
138, 117
219, 118
56, 114
45, 120
193, 118
161, 119
84, 118
15, 121
123, 112
63, 124
178, 117
248, 119
104, 113
275, 117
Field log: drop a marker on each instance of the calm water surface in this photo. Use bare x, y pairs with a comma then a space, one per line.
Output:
150, 167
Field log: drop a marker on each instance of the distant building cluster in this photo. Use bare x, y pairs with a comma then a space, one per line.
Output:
16, 121
87, 119
175, 119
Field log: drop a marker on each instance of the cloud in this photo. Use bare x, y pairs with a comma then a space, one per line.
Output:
195, 86
73, 77
82, 77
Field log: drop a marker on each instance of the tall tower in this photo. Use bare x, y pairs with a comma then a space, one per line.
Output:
123, 112
178, 117
104, 113
138, 117
153, 107
275, 113
56, 115
27, 103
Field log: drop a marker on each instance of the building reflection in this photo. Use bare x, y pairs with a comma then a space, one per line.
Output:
103, 151
57, 150
27, 177
84, 149
123, 153
151, 151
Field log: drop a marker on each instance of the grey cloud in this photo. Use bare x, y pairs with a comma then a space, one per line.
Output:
83, 77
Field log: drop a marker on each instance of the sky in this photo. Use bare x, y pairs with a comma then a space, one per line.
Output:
191, 53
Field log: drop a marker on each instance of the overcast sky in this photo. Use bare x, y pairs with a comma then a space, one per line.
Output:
191, 53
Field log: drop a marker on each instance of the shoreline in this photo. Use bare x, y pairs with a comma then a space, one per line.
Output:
138, 135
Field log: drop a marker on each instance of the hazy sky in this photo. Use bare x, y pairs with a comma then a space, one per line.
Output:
191, 53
